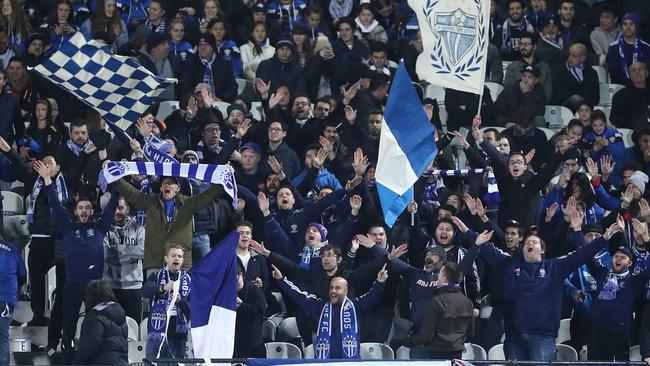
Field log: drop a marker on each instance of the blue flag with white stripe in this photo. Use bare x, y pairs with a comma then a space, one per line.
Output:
213, 300
406, 146
116, 86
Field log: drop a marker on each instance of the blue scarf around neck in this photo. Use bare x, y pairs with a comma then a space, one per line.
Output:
348, 327
160, 303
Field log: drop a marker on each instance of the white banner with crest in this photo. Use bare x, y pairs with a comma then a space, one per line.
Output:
455, 42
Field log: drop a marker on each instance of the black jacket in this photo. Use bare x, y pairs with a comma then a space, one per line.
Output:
565, 85
512, 102
448, 322
248, 329
103, 339
191, 73
282, 73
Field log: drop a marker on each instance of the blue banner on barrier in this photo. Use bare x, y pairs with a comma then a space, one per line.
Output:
296, 362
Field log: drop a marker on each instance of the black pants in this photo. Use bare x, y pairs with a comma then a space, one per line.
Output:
440, 355
579, 328
608, 345
40, 260
376, 325
73, 296
56, 317
131, 301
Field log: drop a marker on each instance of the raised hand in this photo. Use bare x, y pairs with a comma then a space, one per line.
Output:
412, 207
480, 210
353, 183
530, 155
192, 107
42, 169
470, 203
355, 204
275, 99
262, 87
259, 248
577, 218
276, 272
483, 237
640, 227
477, 135
476, 121
607, 165
349, 93
461, 139
611, 230
359, 163
569, 144
326, 144
243, 128
90, 148
318, 160
644, 208
350, 114
264, 204
628, 195
207, 98
143, 126
398, 251
592, 168
570, 207
551, 211
135, 145
354, 245
460, 224
276, 166
365, 241
382, 276
428, 110
4, 146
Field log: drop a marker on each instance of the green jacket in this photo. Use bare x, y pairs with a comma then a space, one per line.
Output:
159, 232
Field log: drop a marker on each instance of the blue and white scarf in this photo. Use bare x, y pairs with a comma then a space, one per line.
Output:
506, 36
161, 305
308, 253
623, 59
349, 331
76, 149
215, 174
613, 284
61, 191
157, 150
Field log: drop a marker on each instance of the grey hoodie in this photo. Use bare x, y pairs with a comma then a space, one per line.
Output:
123, 250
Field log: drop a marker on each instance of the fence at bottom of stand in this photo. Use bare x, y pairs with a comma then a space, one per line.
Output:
294, 362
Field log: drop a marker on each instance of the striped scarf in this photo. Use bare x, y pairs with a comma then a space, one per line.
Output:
61, 190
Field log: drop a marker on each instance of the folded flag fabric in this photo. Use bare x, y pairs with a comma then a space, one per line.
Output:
213, 300
492, 196
116, 86
406, 147
215, 174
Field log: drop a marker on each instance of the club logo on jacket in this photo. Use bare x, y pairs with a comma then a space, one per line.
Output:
517, 272
542, 273
294, 228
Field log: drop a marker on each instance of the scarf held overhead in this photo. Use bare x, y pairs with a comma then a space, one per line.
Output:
215, 174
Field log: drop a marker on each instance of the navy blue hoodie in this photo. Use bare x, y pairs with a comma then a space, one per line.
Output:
83, 243
533, 291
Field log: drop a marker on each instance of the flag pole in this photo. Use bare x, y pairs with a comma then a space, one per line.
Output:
480, 103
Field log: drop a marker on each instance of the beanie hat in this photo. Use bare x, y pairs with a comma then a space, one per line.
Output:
639, 180
321, 229
286, 42
235, 107
432, 246
188, 153
633, 17
209, 39
592, 228
154, 40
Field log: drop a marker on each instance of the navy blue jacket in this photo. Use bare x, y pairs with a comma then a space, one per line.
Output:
313, 306
616, 314
533, 291
83, 243
12, 272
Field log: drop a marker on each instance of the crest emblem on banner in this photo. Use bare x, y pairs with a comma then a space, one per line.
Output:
116, 168
459, 48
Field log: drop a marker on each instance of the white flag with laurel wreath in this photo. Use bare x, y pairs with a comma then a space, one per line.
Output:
455, 42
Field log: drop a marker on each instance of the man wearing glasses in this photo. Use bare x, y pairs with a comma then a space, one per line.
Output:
527, 47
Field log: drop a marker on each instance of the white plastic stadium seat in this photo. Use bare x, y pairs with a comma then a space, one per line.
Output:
288, 329
627, 136
282, 350
635, 353
134, 329
376, 351
566, 353
435, 92
166, 108
474, 352
137, 351
222, 107
607, 92
557, 116
495, 89
268, 330
309, 352
403, 353
143, 329
12, 203
603, 78
564, 332
496, 352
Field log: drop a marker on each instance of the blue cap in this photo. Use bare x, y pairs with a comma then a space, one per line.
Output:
251, 146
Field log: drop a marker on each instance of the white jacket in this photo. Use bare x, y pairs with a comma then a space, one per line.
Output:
251, 61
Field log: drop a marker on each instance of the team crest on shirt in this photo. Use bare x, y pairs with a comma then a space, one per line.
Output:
294, 228
90, 232
517, 271
542, 273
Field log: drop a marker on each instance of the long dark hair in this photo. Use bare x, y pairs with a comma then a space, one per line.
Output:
257, 47
581, 180
53, 16
97, 292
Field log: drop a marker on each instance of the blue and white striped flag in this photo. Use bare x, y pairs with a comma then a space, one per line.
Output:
213, 300
406, 147
116, 86
215, 174
492, 195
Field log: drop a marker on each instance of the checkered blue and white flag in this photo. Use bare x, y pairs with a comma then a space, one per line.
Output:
116, 86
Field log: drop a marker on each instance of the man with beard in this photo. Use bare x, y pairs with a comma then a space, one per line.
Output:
79, 157
123, 250
279, 149
366, 101
83, 240
508, 36
527, 47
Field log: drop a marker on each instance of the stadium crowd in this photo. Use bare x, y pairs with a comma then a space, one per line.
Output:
291, 94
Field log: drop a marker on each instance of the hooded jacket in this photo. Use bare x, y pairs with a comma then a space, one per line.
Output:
103, 339
123, 250
158, 231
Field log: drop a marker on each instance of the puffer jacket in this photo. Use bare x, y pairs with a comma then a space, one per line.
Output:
103, 339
